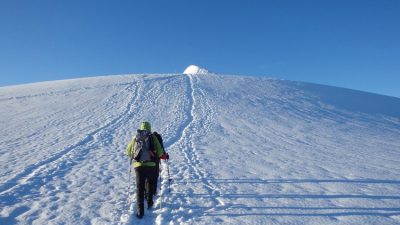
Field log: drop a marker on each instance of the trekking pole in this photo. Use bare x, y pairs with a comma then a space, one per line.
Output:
160, 187
129, 183
169, 178
159, 175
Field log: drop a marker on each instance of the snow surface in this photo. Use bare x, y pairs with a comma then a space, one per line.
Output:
244, 150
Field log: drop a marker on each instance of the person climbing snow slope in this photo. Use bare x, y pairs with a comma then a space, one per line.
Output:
144, 150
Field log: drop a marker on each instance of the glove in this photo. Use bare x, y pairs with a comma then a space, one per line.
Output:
165, 156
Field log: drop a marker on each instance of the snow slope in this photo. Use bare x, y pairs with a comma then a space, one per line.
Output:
244, 150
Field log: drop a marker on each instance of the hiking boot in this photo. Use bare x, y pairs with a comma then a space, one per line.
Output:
150, 204
140, 213
139, 216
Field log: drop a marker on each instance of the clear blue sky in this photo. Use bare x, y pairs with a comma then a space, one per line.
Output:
353, 44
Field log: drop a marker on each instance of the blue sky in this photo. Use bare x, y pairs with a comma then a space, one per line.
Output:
345, 43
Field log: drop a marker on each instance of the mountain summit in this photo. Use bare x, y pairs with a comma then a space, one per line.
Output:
193, 69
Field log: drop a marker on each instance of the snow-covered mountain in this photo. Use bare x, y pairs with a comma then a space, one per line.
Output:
244, 150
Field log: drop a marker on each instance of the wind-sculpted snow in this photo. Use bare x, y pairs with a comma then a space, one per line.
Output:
244, 150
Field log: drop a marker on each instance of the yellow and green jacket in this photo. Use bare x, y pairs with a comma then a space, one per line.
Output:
158, 149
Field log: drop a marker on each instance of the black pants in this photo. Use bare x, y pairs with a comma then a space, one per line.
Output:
155, 180
157, 172
144, 173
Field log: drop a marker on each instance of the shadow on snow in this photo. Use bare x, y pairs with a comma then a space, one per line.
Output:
295, 211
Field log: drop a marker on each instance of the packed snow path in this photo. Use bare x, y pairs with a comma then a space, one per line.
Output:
244, 150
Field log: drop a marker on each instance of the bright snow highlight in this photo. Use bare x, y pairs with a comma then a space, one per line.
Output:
192, 69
